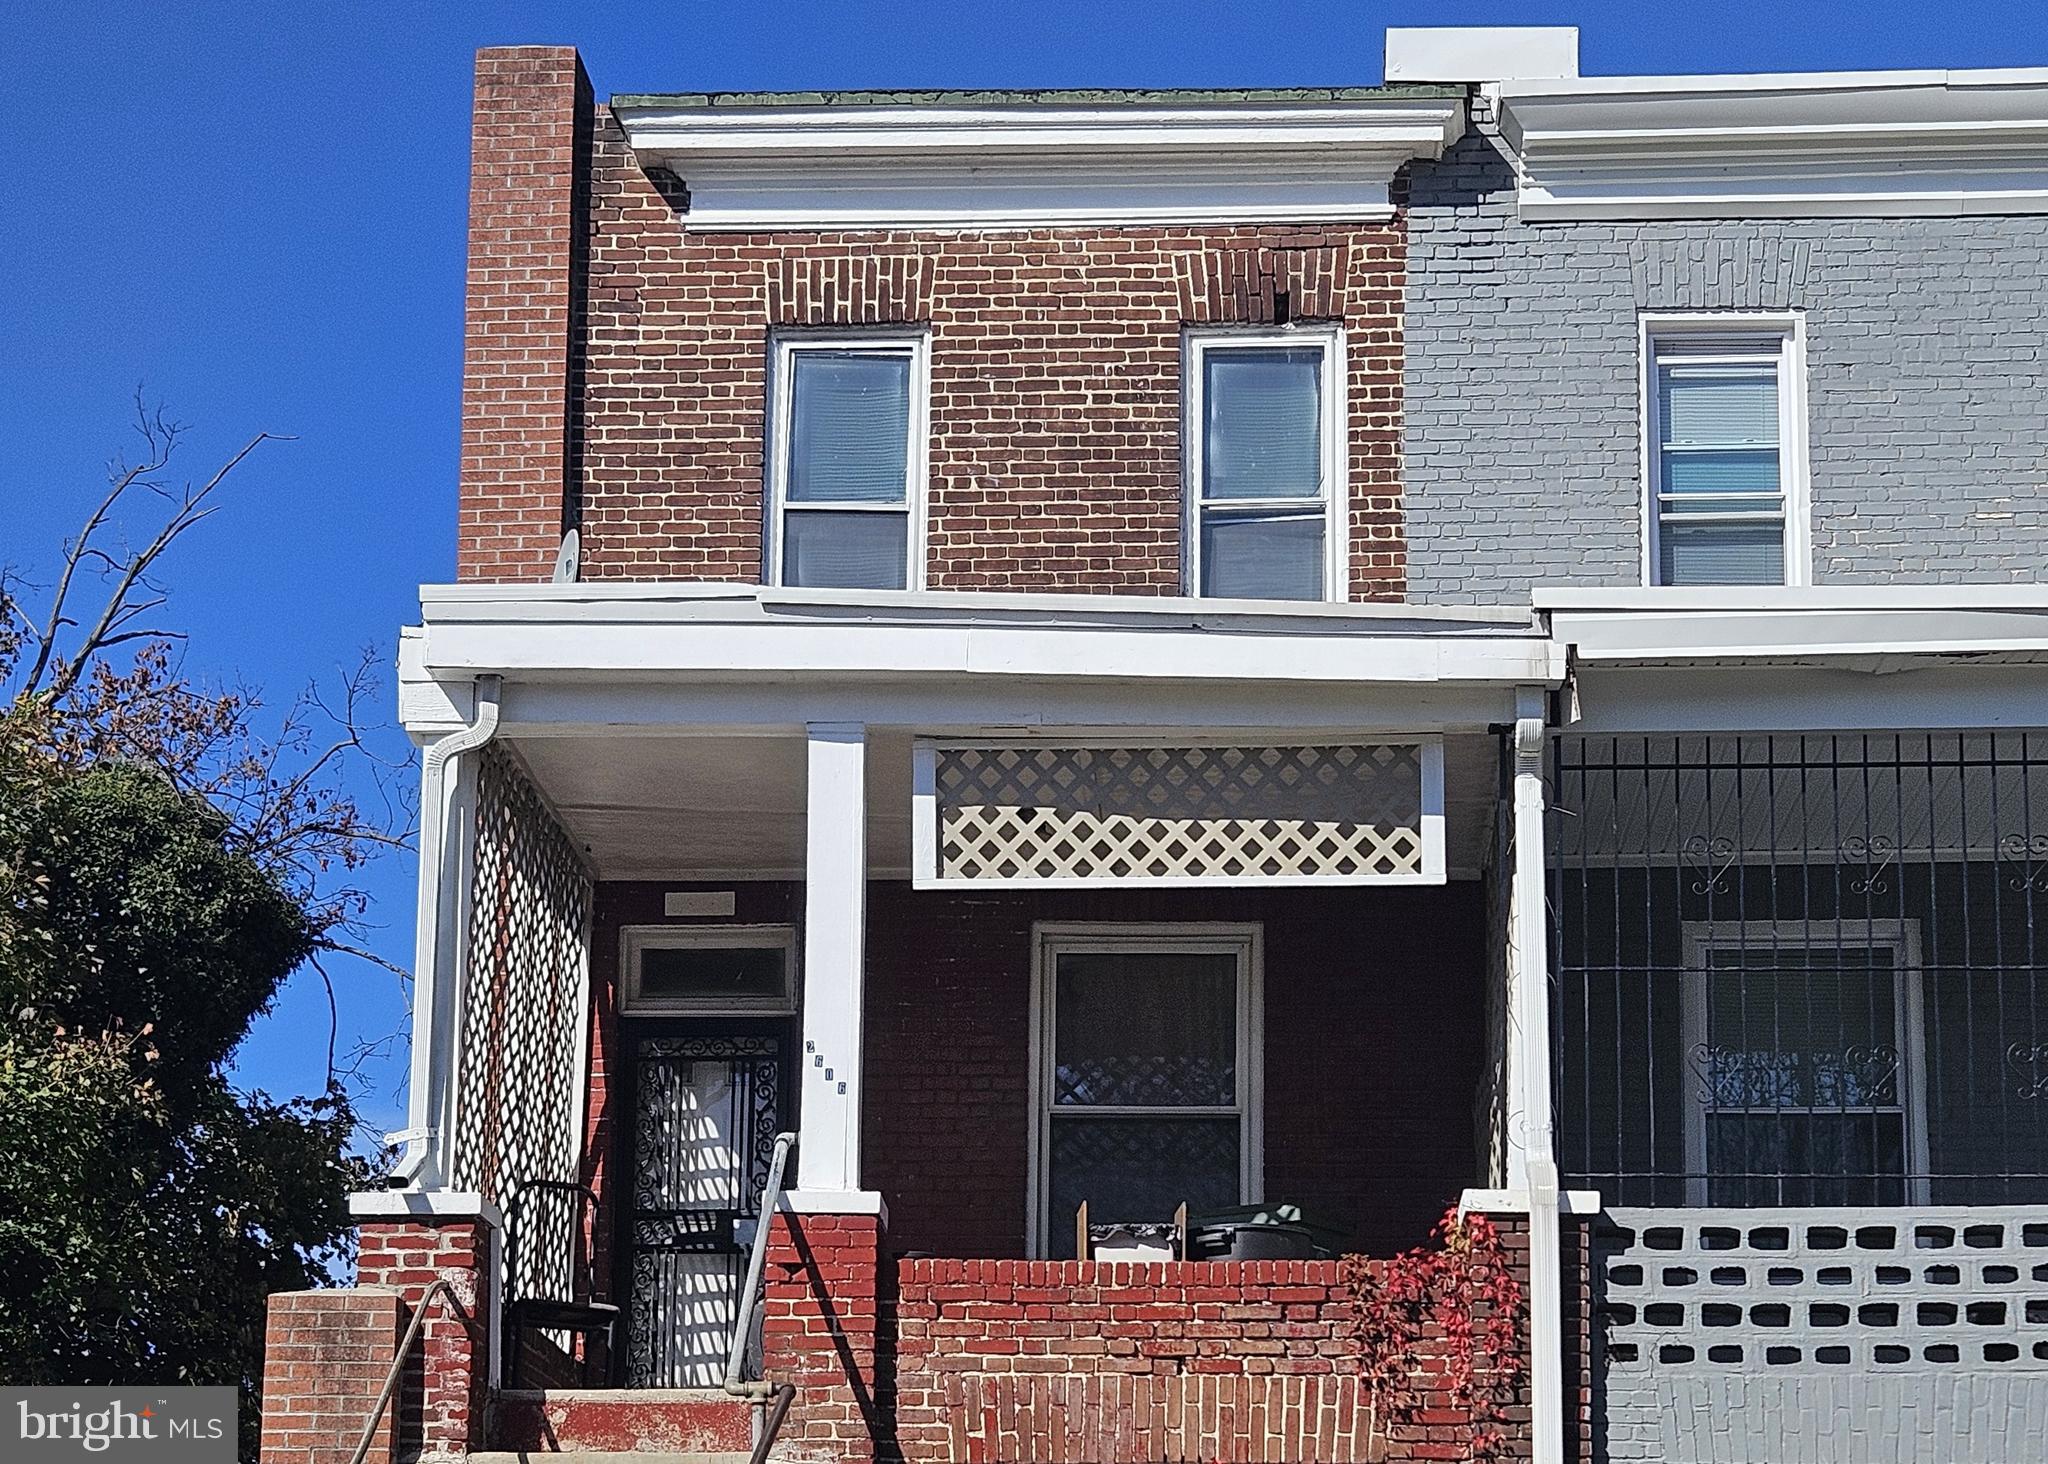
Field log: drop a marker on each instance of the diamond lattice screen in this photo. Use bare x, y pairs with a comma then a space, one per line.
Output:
524, 1006
1133, 815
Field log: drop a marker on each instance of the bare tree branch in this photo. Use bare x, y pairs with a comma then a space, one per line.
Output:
192, 511
309, 793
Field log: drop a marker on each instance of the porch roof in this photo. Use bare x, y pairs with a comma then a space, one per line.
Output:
975, 658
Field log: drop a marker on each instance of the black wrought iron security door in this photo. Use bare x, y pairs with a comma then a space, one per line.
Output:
705, 1114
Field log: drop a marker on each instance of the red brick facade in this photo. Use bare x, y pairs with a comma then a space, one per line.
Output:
324, 1357
627, 394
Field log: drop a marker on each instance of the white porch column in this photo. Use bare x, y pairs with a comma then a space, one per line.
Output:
1532, 1150
1529, 1123
835, 933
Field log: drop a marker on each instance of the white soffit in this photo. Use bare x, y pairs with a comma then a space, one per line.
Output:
1879, 143
1003, 165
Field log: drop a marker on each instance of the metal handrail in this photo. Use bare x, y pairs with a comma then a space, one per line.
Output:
757, 1264
391, 1374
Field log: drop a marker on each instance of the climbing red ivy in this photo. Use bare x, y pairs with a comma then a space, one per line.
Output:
1460, 1294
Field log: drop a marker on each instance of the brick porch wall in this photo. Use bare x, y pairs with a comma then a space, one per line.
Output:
327, 1353
823, 1329
1044, 1360
445, 1387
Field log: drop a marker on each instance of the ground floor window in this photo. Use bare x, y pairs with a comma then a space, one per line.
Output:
1146, 1074
1803, 1040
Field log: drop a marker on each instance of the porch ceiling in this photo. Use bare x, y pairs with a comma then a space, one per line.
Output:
732, 807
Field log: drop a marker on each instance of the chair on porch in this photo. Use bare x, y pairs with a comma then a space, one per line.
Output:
578, 1310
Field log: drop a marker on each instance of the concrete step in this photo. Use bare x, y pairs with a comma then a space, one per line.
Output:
642, 1425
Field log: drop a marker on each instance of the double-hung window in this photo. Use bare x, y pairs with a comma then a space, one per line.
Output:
1264, 468
1725, 445
1147, 1042
846, 461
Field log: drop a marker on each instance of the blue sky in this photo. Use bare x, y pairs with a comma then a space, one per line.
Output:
256, 214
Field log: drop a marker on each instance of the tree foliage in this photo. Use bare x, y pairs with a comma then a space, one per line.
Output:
163, 869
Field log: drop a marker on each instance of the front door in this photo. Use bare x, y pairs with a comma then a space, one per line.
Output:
706, 1109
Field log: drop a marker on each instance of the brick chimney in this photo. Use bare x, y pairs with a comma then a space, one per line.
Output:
529, 170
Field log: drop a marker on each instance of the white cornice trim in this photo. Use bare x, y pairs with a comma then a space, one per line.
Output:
1889, 622
1003, 167
1874, 144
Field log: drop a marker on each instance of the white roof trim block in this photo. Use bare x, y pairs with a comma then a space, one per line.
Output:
1480, 53
1878, 143
1014, 167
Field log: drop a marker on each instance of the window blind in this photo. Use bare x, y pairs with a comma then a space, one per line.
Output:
849, 427
1262, 431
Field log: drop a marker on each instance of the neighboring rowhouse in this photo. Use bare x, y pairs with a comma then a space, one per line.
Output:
1103, 658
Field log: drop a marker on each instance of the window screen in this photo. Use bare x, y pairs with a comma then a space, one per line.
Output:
1144, 1109
1263, 500
846, 468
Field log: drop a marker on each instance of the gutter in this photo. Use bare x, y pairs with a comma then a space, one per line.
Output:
431, 1088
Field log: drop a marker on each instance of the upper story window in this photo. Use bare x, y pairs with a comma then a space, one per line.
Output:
1265, 464
1725, 418
846, 461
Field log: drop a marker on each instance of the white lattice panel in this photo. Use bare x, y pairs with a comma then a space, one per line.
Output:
525, 1005
1351, 813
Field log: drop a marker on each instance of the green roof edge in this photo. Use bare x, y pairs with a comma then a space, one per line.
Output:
1093, 96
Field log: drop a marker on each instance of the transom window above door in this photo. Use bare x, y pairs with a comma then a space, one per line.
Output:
1148, 1075
846, 460
1264, 436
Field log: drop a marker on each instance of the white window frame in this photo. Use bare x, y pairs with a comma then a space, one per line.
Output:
1049, 941
635, 940
1900, 937
783, 347
1794, 478
1336, 445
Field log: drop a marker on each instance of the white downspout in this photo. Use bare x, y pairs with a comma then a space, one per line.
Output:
1529, 1019
423, 1164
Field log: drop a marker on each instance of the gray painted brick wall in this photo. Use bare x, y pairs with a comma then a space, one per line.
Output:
1927, 384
